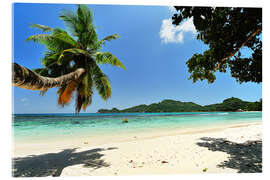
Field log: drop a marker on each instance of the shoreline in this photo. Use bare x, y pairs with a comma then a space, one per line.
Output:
20, 114
157, 131
174, 152
101, 139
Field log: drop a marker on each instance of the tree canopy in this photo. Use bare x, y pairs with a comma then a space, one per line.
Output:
65, 53
226, 30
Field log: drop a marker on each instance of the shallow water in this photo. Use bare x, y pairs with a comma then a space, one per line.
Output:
44, 126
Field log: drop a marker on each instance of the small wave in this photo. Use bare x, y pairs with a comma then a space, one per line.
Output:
222, 113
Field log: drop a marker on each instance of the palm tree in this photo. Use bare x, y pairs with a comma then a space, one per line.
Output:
66, 53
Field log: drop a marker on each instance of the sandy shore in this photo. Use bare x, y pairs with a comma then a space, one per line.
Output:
232, 148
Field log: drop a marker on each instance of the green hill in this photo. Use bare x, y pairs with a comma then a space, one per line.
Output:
230, 104
165, 106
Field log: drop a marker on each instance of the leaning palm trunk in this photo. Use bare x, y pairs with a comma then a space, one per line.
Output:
27, 79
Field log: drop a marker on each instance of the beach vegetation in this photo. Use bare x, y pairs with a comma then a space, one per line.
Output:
233, 37
79, 47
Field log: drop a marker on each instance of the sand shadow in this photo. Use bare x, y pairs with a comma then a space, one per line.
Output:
52, 164
244, 157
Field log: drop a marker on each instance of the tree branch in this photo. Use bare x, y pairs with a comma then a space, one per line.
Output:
243, 44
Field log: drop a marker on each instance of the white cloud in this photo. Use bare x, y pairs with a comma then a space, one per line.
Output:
170, 33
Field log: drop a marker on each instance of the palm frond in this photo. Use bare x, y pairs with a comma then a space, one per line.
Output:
71, 21
42, 27
40, 38
109, 38
87, 102
49, 61
82, 102
61, 40
100, 43
85, 87
50, 58
65, 93
74, 51
84, 92
79, 101
64, 36
85, 16
108, 58
101, 82
89, 39
81, 25
50, 42
54, 42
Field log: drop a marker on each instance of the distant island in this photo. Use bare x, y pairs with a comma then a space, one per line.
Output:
167, 105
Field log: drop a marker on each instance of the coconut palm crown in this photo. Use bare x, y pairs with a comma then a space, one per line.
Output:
65, 53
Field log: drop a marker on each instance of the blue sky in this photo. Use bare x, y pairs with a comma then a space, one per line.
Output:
153, 51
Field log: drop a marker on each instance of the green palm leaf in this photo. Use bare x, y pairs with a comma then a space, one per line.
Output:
109, 38
50, 59
81, 25
71, 21
101, 82
73, 51
42, 27
102, 42
63, 36
59, 40
108, 58
85, 92
85, 16
40, 38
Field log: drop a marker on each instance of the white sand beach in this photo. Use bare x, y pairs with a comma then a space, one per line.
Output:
223, 149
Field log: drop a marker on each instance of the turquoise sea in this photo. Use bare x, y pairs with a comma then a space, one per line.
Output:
31, 126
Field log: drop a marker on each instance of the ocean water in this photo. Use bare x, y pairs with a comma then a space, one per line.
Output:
38, 126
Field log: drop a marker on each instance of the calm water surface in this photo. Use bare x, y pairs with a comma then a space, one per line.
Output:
93, 124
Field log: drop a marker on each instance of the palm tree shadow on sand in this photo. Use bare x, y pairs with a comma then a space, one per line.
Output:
244, 157
52, 164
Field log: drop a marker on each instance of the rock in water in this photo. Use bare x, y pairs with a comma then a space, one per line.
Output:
124, 120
